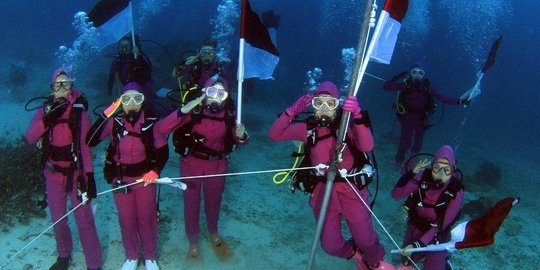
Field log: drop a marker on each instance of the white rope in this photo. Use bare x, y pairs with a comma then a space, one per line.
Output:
39, 235
60, 219
244, 173
377, 219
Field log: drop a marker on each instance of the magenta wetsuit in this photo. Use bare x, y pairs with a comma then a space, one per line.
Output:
137, 208
410, 183
343, 200
416, 99
214, 130
61, 137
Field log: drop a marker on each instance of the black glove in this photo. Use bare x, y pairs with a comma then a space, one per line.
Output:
402, 75
464, 102
90, 186
54, 111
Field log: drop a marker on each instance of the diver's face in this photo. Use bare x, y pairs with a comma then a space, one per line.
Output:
61, 86
325, 105
207, 54
131, 107
216, 94
124, 47
442, 170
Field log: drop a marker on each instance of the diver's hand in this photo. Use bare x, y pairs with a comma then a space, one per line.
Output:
54, 111
400, 77
421, 166
112, 108
464, 102
192, 104
192, 59
150, 177
404, 251
136, 51
91, 192
240, 131
300, 105
351, 105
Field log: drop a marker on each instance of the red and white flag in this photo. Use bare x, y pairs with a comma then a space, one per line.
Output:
112, 19
387, 30
260, 55
474, 233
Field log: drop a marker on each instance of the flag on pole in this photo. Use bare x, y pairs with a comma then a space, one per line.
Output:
112, 19
481, 231
387, 30
260, 53
474, 233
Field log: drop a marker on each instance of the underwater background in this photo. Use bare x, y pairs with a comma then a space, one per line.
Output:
497, 137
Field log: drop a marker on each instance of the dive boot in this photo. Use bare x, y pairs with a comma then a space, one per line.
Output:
61, 264
222, 250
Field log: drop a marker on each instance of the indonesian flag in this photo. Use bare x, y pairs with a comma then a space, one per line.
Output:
260, 55
481, 231
112, 19
474, 233
387, 30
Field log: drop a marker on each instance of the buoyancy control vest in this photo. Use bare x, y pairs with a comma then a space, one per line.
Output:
70, 152
186, 142
402, 105
416, 200
156, 158
306, 180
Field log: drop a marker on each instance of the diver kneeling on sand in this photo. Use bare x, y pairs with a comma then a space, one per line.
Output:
435, 196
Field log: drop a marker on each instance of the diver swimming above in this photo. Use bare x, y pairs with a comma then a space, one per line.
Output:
414, 104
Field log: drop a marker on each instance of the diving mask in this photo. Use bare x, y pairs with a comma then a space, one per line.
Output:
65, 86
216, 92
417, 73
132, 97
445, 167
325, 103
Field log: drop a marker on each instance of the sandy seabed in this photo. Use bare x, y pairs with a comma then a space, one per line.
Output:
266, 226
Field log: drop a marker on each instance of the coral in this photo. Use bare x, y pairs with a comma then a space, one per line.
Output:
488, 173
21, 183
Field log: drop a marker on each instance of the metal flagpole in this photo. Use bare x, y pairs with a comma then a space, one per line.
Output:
240, 75
132, 30
341, 131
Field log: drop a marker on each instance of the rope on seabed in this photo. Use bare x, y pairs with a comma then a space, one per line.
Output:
378, 220
208, 176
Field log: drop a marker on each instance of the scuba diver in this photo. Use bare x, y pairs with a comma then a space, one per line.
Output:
131, 65
197, 69
138, 149
414, 104
364, 247
204, 145
60, 129
435, 196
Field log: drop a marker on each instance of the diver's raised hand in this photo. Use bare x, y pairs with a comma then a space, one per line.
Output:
112, 108
300, 105
192, 59
192, 104
421, 166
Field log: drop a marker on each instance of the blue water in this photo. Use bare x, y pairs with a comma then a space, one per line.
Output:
452, 38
